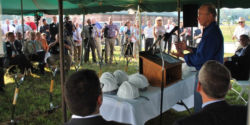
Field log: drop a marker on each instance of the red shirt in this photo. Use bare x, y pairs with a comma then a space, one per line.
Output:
32, 25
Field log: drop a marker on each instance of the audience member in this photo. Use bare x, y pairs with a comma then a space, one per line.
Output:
159, 30
198, 35
15, 54
169, 27
189, 38
98, 38
55, 53
127, 49
54, 29
45, 29
78, 42
19, 28
211, 46
121, 33
15, 22
241, 29
89, 42
149, 38
113, 31
69, 28
34, 51
19, 38
85, 101
7, 27
238, 64
213, 85
137, 39
182, 31
31, 24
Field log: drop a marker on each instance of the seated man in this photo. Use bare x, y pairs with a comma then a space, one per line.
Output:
55, 53
34, 51
213, 85
19, 38
238, 64
85, 100
14, 53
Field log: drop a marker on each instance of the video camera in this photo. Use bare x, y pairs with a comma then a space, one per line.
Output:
106, 29
37, 16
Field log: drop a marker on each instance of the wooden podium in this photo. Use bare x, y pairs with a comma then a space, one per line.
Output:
151, 67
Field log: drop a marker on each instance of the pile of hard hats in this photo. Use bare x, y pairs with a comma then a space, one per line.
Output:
125, 87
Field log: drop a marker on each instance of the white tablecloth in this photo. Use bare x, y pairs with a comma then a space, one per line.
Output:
138, 111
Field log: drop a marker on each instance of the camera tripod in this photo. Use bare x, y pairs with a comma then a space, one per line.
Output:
126, 47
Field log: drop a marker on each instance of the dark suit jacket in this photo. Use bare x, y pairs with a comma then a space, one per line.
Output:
218, 113
9, 48
98, 120
239, 66
53, 28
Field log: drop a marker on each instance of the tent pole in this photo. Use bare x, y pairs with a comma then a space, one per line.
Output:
22, 19
140, 39
83, 21
218, 11
248, 112
61, 45
179, 10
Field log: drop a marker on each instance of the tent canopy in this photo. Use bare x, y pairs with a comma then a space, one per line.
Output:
13, 7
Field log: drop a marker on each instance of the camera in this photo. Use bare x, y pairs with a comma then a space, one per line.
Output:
106, 29
37, 16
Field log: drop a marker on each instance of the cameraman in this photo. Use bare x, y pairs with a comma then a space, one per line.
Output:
89, 40
111, 36
68, 29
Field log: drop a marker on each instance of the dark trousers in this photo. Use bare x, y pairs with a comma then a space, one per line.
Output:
39, 58
1, 78
169, 42
91, 45
148, 43
189, 38
129, 49
22, 62
52, 38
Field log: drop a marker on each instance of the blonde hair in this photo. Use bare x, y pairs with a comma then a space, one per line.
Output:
158, 18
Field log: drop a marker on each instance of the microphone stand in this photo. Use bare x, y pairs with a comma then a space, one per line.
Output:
166, 36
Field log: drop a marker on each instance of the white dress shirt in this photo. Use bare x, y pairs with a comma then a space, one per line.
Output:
5, 28
89, 116
77, 36
148, 31
240, 31
169, 28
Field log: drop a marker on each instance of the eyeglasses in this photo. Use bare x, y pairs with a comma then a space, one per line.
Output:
158, 20
241, 22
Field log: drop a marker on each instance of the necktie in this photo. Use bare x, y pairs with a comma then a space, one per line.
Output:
13, 48
34, 46
189, 32
168, 26
8, 29
241, 52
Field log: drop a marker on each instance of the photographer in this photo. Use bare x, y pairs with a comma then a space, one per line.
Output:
89, 40
68, 29
111, 35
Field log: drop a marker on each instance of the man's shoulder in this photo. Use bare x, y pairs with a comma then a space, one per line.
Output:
116, 123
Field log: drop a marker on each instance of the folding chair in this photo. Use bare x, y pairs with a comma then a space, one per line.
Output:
244, 84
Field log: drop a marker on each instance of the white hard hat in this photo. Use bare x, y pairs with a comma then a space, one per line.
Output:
110, 86
128, 91
120, 76
140, 81
108, 74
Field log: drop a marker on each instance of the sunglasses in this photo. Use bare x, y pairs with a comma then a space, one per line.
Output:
158, 20
241, 22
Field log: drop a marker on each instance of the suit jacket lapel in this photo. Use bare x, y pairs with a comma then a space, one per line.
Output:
87, 121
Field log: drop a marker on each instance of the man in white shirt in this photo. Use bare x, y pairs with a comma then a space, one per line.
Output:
85, 100
169, 27
19, 28
213, 85
78, 42
149, 38
7, 27
239, 30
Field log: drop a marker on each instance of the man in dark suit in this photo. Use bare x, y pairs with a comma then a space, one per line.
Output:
45, 29
238, 64
213, 85
19, 38
15, 55
53, 28
85, 100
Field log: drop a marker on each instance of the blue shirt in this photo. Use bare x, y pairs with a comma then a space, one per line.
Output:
211, 47
99, 27
121, 29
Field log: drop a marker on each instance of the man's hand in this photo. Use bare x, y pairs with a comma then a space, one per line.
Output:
178, 54
233, 37
181, 45
13, 55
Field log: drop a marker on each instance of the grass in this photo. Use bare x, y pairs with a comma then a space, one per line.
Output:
33, 98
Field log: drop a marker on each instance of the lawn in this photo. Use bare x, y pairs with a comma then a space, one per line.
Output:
33, 98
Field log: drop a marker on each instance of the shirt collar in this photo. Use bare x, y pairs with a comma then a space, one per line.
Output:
209, 26
246, 46
210, 102
89, 116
